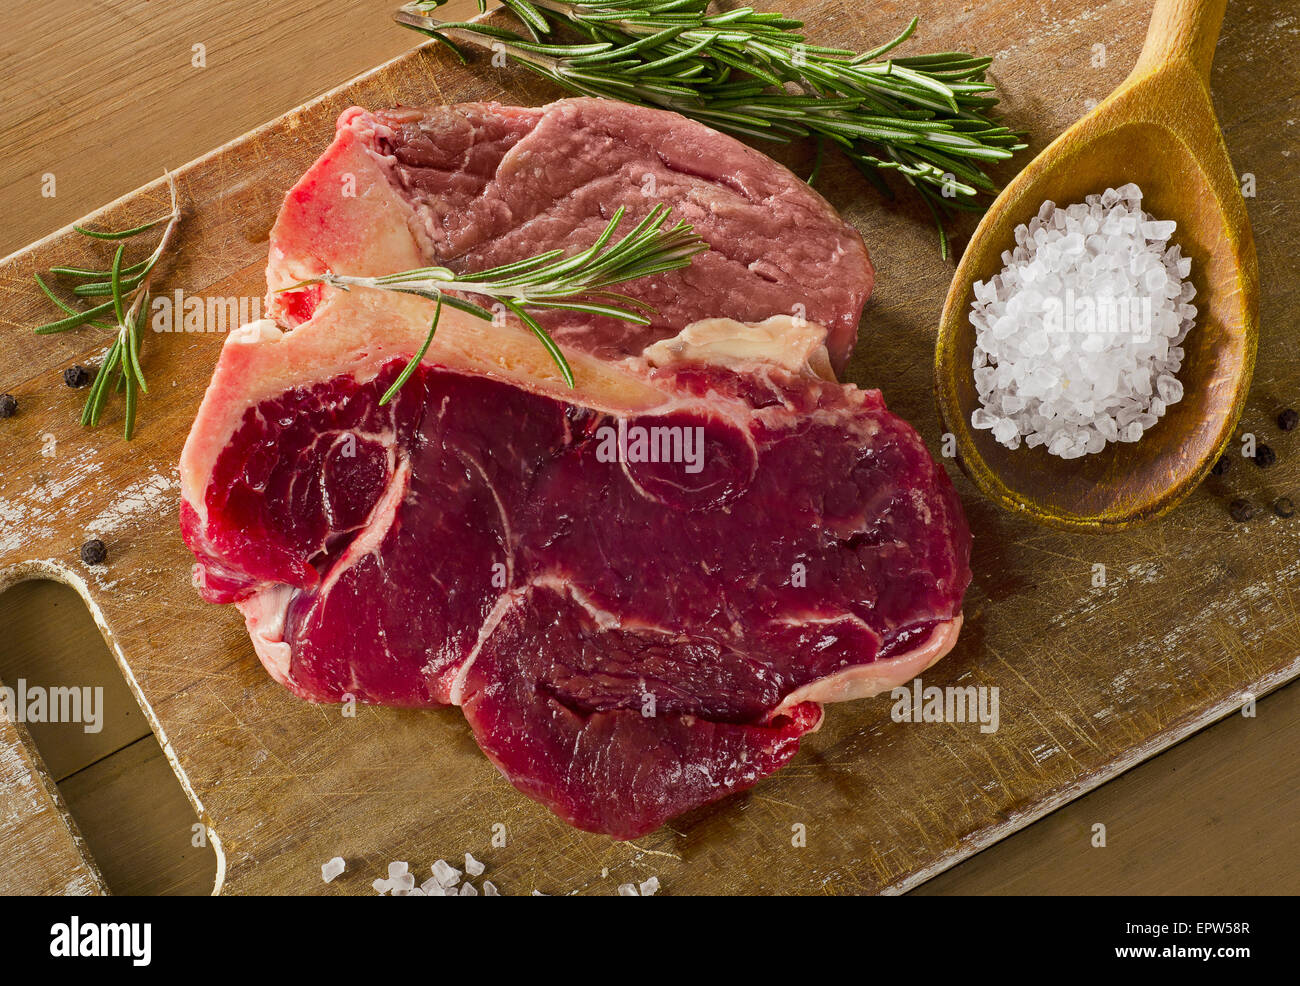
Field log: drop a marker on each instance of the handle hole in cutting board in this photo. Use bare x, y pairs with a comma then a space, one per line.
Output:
118, 785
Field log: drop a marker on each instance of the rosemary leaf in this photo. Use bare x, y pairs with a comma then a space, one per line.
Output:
128, 425
73, 321
99, 391
115, 283
565, 370
133, 344
405, 375
102, 275
123, 234
62, 304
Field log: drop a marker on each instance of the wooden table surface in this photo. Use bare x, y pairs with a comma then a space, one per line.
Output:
103, 97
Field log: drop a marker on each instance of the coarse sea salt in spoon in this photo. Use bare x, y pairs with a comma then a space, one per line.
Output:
1158, 131
1079, 338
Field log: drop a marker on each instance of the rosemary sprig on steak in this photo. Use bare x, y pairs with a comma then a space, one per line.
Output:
126, 288
926, 117
547, 281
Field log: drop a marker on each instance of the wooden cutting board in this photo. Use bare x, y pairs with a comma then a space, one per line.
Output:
1196, 612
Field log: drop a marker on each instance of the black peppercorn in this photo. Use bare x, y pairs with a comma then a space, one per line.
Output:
76, 376
1264, 456
1241, 509
94, 552
1288, 419
8, 405
1283, 506
1222, 466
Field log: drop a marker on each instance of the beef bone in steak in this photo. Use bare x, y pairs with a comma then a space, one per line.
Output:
627, 638
477, 185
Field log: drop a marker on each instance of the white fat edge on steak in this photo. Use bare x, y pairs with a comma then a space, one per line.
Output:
264, 615
780, 344
395, 236
866, 680
794, 344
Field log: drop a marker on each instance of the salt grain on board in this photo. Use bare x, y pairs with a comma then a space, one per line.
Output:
400, 881
446, 874
332, 869
446, 881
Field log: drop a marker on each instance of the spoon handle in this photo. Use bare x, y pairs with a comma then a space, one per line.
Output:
1182, 29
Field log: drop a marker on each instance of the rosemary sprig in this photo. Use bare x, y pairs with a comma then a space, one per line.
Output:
549, 280
925, 117
127, 291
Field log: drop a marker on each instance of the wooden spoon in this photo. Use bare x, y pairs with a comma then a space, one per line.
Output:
1157, 129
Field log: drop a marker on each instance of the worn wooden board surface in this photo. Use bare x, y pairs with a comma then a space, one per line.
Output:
119, 788
43, 851
1196, 613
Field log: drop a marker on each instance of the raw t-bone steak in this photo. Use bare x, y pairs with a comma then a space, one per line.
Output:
478, 185
628, 638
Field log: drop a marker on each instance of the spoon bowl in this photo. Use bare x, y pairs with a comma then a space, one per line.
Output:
1158, 130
